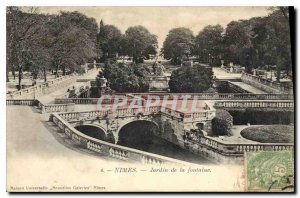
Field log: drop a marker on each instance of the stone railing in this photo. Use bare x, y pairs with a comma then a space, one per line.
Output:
25, 102
108, 149
88, 115
171, 112
79, 101
139, 111
91, 115
45, 108
215, 96
266, 85
49, 108
206, 114
112, 100
254, 104
239, 148
190, 96
45, 88
136, 111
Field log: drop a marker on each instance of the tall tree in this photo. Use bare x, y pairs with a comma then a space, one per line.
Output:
40, 51
208, 44
21, 27
238, 37
279, 21
178, 44
127, 78
137, 42
191, 79
73, 40
109, 39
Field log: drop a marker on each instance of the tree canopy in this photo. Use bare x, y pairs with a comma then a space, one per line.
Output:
178, 44
208, 44
138, 43
73, 40
126, 78
252, 43
109, 41
22, 30
38, 42
191, 79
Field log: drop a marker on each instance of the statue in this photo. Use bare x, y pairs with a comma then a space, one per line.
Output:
159, 69
222, 62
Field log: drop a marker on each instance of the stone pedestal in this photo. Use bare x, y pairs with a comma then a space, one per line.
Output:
158, 83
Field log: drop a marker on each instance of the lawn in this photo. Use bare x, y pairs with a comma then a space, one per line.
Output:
270, 133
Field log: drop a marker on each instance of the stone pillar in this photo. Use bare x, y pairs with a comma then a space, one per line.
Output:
94, 63
208, 127
43, 109
70, 107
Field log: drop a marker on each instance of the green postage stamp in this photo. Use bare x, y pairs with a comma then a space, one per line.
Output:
269, 171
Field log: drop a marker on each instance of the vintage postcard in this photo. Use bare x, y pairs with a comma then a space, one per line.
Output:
150, 99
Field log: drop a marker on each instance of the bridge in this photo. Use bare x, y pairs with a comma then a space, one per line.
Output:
173, 131
171, 124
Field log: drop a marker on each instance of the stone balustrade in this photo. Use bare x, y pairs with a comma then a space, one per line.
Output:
171, 112
239, 148
45, 108
215, 96
89, 100
143, 111
25, 102
45, 88
108, 149
254, 104
87, 115
48, 108
206, 114
266, 85
198, 96
70, 116
78, 101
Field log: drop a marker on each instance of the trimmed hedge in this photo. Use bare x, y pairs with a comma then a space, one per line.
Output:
261, 117
222, 123
270, 133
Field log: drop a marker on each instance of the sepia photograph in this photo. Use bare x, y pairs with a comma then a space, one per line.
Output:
150, 99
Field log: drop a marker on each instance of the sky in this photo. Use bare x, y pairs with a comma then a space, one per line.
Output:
159, 20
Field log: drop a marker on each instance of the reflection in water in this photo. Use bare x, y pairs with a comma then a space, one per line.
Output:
224, 87
140, 135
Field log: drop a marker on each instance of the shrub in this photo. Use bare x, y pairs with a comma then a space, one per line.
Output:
222, 123
269, 133
127, 78
262, 117
80, 70
191, 79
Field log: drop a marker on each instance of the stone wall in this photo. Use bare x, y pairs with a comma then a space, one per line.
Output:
108, 149
172, 130
36, 91
158, 83
212, 155
266, 85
